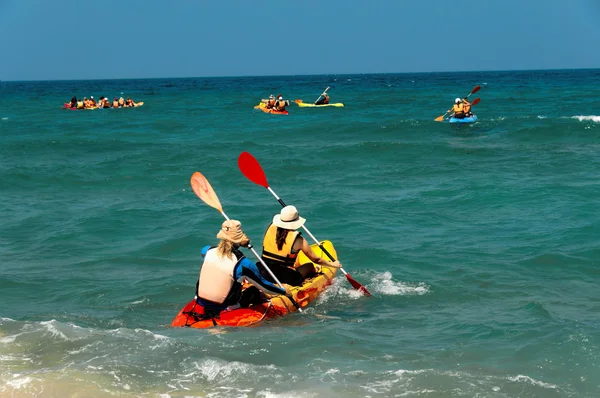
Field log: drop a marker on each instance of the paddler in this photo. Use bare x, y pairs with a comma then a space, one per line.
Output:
458, 109
280, 104
270, 103
225, 269
467, 106
322, 100
281, 245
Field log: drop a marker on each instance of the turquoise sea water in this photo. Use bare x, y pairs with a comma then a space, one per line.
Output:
479, 242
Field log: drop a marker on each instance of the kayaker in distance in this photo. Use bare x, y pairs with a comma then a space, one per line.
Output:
270, 103
467, 106
280, 104
225, 269
281, 245
322, 100
458, 109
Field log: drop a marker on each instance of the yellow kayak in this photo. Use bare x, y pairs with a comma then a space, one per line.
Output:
307, 105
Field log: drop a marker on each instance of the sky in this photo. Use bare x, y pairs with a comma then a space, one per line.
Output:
110, 39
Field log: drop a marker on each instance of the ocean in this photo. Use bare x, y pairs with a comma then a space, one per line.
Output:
479, 242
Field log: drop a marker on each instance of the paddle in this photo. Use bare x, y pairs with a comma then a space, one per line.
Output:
252, 170
321, 95
204, 191
441, 118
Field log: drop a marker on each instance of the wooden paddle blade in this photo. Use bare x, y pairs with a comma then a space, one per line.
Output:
251, 169
475, 101
204, 191
358, 286
476, 89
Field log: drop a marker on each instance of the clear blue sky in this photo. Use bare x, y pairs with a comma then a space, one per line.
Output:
54, 39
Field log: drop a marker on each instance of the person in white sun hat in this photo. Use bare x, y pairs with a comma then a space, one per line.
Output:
224, 271
281, 245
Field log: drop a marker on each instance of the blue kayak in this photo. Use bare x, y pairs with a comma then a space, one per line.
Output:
471, 119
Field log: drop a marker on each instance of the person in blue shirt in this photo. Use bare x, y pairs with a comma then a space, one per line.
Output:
224, 271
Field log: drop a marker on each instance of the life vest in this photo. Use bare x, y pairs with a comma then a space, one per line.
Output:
216, 276
271, 103
280, 105
272, 253
79, 104
459, 109
467, 108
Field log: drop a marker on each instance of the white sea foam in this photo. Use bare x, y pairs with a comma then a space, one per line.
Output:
212, 369
542, 117
12, 358
402, 372
385, 285
10, 339
269, 394
592, 118
52, 327
19, 382
527, 379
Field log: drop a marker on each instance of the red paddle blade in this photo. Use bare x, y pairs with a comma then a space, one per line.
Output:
475, 101
251, 169
358, 286
204, 191
476, 89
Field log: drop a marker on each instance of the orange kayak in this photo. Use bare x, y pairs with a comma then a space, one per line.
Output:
192, 315
263, 107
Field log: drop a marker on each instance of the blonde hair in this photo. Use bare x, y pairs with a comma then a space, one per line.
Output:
225, 248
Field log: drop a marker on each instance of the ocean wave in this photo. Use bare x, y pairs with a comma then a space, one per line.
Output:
460, 382
530, 380
592, 118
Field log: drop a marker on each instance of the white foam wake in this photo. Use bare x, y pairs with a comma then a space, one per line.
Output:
384, 284
593, 118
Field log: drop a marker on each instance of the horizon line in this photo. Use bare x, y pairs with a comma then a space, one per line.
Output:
301, 74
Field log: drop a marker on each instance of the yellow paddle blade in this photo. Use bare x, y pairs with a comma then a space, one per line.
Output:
440, 118
298, 101
204, 191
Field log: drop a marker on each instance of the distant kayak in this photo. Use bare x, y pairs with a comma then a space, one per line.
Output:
308, 105
263, 107
66, 105
471, 119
